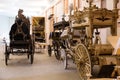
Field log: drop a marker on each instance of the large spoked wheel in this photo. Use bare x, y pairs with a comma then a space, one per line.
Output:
57, 54
28, 56
31, 55
31, 58
6, 58
63, 56
6, 55
49, 50
65, 61
56, 49
83, 61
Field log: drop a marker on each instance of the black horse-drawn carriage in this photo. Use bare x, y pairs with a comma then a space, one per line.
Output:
57, 43
20, 41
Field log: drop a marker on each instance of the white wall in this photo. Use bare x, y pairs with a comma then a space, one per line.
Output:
109, 4
5, 26
59, 11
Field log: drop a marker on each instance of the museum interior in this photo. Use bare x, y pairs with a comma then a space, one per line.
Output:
60, 40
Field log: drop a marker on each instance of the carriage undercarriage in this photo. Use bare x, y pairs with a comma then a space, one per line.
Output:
19, 48
56, 41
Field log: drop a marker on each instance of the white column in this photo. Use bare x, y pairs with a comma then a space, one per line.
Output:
109, 4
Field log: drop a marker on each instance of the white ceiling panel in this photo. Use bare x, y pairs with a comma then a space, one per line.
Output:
30, 7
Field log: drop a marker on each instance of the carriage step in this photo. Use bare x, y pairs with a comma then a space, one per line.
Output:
102, 79
14, 52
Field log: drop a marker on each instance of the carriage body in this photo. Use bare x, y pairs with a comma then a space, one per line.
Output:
89, 51
56, 39
94, 19
21, 42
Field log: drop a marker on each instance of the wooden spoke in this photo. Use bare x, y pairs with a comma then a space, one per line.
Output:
83, 61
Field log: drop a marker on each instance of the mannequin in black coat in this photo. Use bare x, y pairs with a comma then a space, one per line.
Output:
22, 34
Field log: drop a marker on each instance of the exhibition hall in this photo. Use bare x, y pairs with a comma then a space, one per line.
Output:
60, 40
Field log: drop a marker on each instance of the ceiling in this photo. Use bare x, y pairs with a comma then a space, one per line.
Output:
30, 7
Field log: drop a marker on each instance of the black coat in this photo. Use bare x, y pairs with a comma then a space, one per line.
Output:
19, 36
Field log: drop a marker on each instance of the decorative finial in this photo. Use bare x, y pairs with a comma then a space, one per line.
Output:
90, 2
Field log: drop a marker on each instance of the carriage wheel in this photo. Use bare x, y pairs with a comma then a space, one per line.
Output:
83, 61
31, 55
28, 56
31, 58
57, 54
56, 50
49, 50
6, 58
65, 61
63, 56
6, 54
